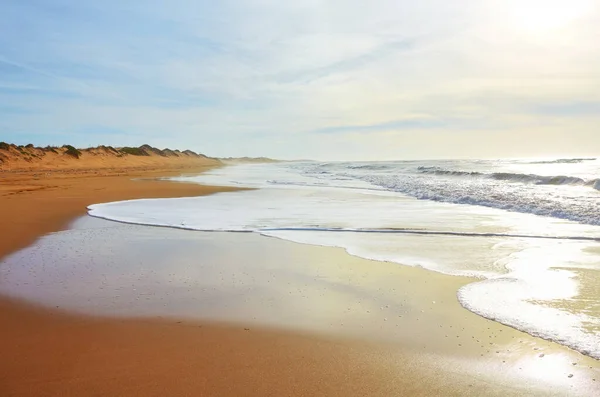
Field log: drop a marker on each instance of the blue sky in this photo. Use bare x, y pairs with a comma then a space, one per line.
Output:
312, 79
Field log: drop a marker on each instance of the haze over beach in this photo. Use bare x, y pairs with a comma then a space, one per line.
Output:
323, 198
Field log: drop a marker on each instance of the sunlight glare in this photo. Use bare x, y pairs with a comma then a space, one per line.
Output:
541, 16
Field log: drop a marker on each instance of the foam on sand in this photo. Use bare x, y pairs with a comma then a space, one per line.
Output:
521, 270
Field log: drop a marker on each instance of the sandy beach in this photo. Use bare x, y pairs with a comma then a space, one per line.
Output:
432, 349
294, 199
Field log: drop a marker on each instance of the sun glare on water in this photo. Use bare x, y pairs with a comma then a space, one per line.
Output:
542, 16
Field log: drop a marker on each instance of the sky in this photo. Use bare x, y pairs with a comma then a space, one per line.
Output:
320, 79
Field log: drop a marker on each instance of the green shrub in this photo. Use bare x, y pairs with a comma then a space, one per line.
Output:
71, 151
134, 151
4, 146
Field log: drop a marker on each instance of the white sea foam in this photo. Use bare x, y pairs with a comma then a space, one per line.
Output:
520, 257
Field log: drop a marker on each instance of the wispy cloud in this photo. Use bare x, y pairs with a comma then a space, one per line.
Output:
26, 68
569, 109
349, 64
408, 124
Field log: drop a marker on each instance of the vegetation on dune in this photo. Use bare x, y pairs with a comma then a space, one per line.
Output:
190, 153
150, 149
112, 149
30, 153
169, 153
20, 149
71, 151
134, 151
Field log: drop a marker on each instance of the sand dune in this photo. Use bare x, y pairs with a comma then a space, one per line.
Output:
31, 158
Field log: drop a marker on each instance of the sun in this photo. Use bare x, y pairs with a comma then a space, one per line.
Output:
542, 16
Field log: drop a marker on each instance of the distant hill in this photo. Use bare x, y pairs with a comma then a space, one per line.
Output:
234, 160
30, 157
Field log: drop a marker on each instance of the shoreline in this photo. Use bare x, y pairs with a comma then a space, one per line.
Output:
42, 335
34, 203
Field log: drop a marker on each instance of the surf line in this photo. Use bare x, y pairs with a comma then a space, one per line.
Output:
184, 226
427, 232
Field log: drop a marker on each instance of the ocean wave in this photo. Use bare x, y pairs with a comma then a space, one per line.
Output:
509, 300
564, 161
515, 177
539, 179
441, 171
374, 167
486, 193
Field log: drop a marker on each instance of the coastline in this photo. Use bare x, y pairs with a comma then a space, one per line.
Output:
34, 203
53, 353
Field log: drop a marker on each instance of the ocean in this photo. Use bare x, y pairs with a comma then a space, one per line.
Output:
526, 231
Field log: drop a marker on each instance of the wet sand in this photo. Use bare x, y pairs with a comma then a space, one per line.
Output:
434, 349
34, 203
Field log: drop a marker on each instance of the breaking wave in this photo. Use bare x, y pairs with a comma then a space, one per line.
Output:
515, 177
565, 161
